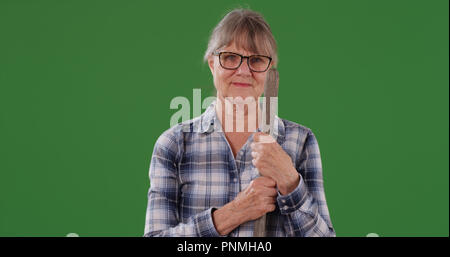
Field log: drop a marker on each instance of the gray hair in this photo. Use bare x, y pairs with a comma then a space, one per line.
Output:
248, 30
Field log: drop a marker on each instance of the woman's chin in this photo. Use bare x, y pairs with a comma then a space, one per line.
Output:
242, 93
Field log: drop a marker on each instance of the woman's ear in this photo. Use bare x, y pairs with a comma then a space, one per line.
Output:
211, 63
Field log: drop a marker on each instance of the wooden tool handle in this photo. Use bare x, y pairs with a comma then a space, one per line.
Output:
270, 90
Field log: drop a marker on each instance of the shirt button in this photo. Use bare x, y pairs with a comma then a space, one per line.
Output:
285, 208
283, 201
235, 179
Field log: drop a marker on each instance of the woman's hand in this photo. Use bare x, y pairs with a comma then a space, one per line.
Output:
256, 200
259, 198
272, 161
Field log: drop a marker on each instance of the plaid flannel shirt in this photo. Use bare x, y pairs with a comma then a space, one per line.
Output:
193, 171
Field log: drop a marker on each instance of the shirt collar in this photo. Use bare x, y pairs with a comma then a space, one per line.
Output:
210, 122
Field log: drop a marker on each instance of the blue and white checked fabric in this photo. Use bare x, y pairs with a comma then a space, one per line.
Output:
193, 171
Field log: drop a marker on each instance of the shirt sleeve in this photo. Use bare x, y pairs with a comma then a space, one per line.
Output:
305, 209
162, 216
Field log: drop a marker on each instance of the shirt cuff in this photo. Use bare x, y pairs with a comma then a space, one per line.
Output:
297, 199
205, 225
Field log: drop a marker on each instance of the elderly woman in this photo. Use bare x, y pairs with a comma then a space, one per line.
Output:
204, 180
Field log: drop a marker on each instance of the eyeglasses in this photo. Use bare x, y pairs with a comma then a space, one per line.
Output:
232, 61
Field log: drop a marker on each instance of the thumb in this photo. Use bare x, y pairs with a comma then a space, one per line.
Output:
261, 137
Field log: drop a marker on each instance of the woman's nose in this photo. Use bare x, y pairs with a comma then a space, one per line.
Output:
244, 69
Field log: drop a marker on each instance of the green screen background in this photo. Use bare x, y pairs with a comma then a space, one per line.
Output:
85, 88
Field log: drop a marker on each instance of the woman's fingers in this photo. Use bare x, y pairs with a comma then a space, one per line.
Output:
264, 181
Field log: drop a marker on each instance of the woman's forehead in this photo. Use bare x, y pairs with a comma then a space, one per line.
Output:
244, 49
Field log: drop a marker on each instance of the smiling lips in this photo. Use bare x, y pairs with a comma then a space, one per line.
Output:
240, 84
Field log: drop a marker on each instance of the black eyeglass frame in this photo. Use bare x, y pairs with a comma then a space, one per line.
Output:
242, 58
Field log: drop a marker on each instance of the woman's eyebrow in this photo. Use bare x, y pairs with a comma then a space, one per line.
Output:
237, 52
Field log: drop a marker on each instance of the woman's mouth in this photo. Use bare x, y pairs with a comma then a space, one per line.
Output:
240, 84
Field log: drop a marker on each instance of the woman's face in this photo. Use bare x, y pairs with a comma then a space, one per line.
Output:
239, 82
